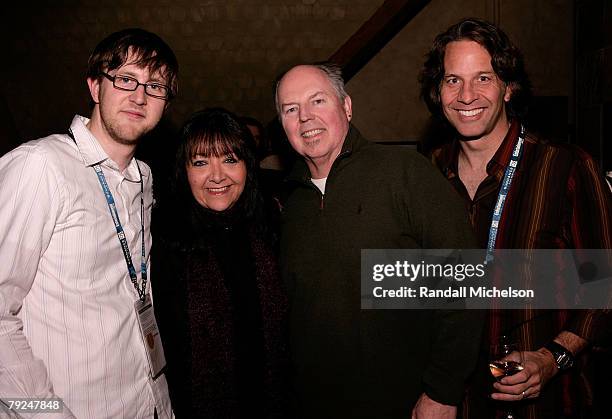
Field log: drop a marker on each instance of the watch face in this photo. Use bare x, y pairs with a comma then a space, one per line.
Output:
563, 361
563, 358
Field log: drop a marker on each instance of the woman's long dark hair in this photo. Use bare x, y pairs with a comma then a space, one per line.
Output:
218, 132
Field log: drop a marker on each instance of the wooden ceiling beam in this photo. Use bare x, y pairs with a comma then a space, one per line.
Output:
374, 34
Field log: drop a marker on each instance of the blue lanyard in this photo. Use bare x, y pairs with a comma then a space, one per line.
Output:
121, 235
503, 193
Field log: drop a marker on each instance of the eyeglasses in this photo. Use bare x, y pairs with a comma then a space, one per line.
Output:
121, 82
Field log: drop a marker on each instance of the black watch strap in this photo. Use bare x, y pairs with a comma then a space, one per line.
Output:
563, 358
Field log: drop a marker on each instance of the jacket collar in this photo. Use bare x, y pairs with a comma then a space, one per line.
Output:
353, 142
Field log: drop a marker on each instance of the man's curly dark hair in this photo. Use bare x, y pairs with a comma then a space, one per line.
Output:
506, 60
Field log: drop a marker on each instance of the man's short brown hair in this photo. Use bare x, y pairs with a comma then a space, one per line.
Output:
149, 50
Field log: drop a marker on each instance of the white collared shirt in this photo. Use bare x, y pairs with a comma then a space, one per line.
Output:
320, 184
67, 321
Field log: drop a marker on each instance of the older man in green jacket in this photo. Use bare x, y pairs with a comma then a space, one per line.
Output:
348, 194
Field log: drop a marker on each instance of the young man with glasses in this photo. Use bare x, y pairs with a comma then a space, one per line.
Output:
76, 322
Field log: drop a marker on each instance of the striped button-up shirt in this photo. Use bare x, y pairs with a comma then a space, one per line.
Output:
68, 327
558, 200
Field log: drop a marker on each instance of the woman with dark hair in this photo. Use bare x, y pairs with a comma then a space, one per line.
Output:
218, 296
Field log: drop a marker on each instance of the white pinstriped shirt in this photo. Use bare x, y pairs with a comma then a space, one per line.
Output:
67, 321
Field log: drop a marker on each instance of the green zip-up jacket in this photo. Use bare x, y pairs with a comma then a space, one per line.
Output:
353, 363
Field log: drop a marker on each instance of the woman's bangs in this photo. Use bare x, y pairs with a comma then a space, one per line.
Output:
214, 145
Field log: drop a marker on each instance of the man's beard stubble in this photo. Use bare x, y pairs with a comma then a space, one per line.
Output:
116, 132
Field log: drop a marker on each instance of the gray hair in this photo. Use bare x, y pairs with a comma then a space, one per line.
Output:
332, 71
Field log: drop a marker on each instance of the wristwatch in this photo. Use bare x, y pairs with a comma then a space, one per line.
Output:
563, 358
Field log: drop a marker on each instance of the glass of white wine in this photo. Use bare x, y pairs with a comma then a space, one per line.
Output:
502, 364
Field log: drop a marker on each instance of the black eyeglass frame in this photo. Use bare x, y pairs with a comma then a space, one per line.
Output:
168, 95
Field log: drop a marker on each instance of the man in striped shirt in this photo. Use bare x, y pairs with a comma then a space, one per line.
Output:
76, 324
475, 79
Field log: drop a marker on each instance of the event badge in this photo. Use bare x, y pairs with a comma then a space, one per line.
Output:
150, 335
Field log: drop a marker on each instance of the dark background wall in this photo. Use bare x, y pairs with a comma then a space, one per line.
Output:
230, 51
594, 78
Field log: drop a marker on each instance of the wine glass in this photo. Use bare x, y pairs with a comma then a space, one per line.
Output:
501, 364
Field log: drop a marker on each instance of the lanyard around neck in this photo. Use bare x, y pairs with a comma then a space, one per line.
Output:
503, 193
142, 290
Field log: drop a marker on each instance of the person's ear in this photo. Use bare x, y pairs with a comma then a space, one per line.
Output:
94, 88
348, 108
508, 92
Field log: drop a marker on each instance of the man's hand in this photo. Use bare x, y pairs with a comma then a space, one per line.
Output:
539, 367
427, 408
